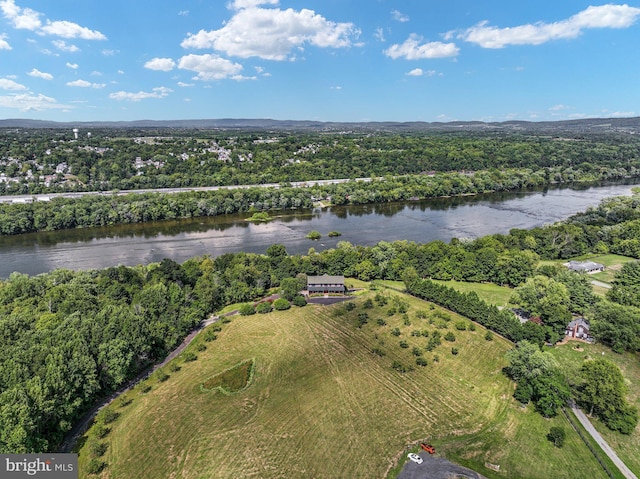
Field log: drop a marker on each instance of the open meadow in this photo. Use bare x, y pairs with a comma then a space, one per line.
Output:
323, 401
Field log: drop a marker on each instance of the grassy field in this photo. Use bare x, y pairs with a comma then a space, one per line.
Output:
627, 447
322, 404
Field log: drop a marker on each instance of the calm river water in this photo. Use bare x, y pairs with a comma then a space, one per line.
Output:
420, 221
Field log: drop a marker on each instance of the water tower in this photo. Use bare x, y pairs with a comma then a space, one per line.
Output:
75, 133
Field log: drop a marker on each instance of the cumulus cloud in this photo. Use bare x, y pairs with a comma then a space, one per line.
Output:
159, 92
274, 32
38, 74
210, 67
7, 84
399, 17
160, 64
29, 102
4, 44
73, 66
85, 84
185, 85
64, 46
413, 49
604, 16
419, 72
28, 19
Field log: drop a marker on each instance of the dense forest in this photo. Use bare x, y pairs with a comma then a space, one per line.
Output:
70, 338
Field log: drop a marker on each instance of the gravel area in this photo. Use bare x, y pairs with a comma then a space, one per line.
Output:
434, 467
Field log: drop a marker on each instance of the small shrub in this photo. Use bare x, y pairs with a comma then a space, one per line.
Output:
189, 356
145, 388
404, 344
436, 358
333, 234
557, 436
216, 329
174, 367
398, 366
101, 431
313, 235
421, 314
395, 332
97, 448
368, 304
488, 336
420, 361
363, 318
406, 320
124, 401
225, 320
281, 304
415, 333
416, 351
161, 375
378, 351
450, 337
264, 307
454, 351
96, 466
472, 326
107, 416
381, 299
350, 306
425, 333
247, 309
210, 335
381, 322
201, 347
391, 311
461, 325
299, 301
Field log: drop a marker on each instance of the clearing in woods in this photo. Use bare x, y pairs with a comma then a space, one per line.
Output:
324, 401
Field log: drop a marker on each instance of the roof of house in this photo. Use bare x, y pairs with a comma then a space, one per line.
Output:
325, 279
578, 322
584, 266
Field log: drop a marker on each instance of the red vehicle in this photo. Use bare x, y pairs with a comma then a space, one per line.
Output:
428, 447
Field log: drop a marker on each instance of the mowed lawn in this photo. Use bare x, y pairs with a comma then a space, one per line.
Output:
322, 404
626, 446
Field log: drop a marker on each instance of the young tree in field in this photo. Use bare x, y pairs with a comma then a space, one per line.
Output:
557, 436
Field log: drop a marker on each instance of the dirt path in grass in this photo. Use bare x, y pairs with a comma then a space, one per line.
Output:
595, 282
584, 420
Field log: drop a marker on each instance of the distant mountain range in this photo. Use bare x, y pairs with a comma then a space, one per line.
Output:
629, 125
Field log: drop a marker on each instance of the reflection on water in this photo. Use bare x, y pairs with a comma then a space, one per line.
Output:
420, 221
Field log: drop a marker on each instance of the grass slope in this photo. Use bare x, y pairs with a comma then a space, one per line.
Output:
322, 405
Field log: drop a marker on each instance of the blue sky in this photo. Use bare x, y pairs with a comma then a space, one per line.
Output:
328, 60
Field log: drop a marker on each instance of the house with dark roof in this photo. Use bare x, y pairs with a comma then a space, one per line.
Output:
585, 266
578, 329
325, 284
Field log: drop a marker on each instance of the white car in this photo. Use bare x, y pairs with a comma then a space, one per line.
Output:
415, 458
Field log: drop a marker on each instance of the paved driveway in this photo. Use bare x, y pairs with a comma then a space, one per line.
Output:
435, 467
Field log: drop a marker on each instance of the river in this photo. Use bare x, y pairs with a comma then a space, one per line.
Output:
420, 221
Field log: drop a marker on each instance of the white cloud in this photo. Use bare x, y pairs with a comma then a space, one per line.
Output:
4, 44
399, 17
121, 72
73, 66
240, 4
274, 33
28, 19
183, 13
38, 74
604, 16
184, 85
109, 53
160, 64
159, 92
30, 102
419, 72
411, 49
85, 84
7, 84
210, 67
22, 18
64, 46
379, 34
559, 107
96, 73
